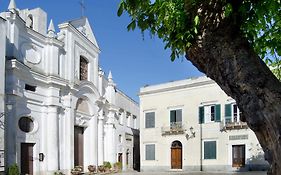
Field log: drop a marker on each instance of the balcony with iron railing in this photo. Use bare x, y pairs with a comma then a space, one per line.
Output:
228, 124
175, 128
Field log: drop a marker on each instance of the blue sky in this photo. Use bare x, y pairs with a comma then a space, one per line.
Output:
134, 60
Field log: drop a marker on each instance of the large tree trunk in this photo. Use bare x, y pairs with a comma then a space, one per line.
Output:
223, 54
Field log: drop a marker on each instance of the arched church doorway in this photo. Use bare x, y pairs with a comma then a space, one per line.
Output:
82, 109
176, 155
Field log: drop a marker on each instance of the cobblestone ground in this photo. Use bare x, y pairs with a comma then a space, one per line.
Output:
194, 173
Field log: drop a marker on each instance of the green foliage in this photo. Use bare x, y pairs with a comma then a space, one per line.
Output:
275, 67
13, 170
165, 18
107, 165
176, 22
118, 165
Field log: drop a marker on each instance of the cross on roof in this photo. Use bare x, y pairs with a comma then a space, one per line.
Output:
83, 7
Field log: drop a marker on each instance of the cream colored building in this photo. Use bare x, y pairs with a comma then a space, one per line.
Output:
192, 125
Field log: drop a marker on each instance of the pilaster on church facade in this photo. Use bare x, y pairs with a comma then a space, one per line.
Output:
64, 110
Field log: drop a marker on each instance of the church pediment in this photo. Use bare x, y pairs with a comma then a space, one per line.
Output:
84, 27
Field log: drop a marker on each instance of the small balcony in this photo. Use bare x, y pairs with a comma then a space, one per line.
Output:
230, 125
175, 128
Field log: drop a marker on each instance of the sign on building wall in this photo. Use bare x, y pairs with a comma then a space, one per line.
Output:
238, 137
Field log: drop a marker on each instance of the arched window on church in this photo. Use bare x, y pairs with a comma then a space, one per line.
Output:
29, 21
83, 68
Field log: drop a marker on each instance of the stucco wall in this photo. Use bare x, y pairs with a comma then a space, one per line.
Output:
188, 95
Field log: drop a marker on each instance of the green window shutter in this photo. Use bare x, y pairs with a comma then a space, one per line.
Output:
201, 114
210, 150
172, 116
178, 115
218, 113
228, 113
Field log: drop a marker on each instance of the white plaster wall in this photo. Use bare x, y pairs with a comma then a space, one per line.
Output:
52, 65
192, 94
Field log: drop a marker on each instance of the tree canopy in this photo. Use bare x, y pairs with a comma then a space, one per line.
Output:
176, 22
230, 41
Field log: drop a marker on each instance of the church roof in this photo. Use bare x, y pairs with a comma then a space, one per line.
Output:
84, 27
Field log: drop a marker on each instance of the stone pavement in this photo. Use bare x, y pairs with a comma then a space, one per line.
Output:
194, 173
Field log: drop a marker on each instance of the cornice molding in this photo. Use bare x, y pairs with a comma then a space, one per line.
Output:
176, 87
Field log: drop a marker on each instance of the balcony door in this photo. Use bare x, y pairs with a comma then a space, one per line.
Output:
176, 119
176, 155
238, 155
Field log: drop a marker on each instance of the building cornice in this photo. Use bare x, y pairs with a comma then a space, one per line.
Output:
44, 39
183, 84
22, 69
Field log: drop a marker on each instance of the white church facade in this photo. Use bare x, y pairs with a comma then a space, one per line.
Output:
192, 125
60, 109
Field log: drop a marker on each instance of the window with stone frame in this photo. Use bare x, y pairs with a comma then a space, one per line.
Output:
83, 68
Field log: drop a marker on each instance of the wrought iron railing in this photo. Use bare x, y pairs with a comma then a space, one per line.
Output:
173, 129
230, 125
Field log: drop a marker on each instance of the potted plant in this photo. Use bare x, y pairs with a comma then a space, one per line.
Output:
101, 168
117, 166
13, 170
107, 166
77, 170
92, 168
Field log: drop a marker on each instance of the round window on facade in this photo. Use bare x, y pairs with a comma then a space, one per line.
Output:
26, 124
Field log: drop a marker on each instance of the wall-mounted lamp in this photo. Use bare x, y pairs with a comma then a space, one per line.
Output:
41, 157
192, 132
192, 135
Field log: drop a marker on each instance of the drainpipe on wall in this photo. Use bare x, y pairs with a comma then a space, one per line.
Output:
201, 168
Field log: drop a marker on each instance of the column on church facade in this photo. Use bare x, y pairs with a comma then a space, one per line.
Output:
100, 138
69, 141
66, 130
124, 165
90, 142
124, 148
52, 138
110, 137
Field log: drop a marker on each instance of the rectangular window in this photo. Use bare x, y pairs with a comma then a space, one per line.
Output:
176, 118
232, 113
83, 69
150, 120
236, 117
212, 113
210, 150
150, 152
209, 113
30, 88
